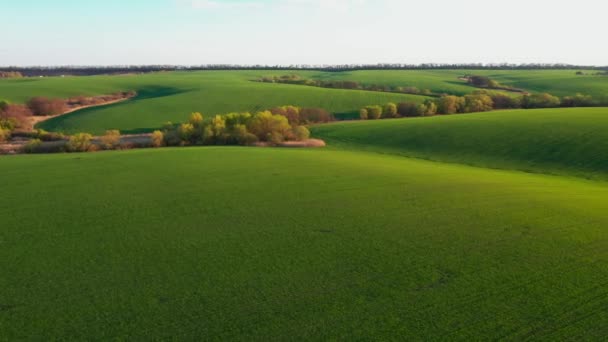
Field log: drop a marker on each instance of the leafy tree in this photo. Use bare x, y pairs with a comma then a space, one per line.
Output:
196, 119
80, 142
407, 109
158, 138
543, 100
374, 112
390, 111
301, 133
110, 140
478, 103
363, 114
450, 104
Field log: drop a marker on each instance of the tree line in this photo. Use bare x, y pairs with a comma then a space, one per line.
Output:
479, 101
350, 85
35, 71
270, 127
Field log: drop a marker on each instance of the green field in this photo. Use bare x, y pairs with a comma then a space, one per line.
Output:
172, 96
244, 243
571, 141
488, 226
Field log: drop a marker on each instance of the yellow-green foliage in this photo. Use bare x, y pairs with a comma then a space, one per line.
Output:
158, 138
32, 146
5, 134
110, 140
80, 142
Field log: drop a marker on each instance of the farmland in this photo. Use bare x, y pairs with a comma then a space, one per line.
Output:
172, 96
485, 226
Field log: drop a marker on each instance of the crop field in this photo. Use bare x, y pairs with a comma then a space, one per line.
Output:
173, 96
571, 141
244, 243
486, 226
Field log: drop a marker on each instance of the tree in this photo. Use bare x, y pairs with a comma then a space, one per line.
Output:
431, 108
110, 140
407, 109
80, 142
374, 112
363, 114
185, 132
158, 139
45, 106
578, 100
315, 115
265, 126
450, 104
479, 81
17, 115
301, 133
478, 103
390, 110
544, 100
196, 119
503, 101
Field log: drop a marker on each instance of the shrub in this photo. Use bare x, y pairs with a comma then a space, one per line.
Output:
264, 124
158, 139
315, 115
363, 115
5, 134
374, 112
450, 104
431, 108
301, 133
407, 109
32, 146
110, 140
275, 138
503, 101
49, 136
196, 119
17, 114
185, 132
543, 100
45, 106
478, 103
80, 142
578, 100
291, 112
390, 111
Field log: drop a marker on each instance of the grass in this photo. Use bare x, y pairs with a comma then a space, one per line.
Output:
243, 243
357, 241
172, 96
558, 141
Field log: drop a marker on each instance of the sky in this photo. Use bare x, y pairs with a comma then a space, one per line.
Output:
290, 32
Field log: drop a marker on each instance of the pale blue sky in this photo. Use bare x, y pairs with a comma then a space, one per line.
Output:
110, 32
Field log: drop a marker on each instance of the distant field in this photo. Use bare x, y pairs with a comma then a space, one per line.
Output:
570, 141
172, 96
246, 243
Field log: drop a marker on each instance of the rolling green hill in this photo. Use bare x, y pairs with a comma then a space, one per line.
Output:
560, 141
172, 96
245, 243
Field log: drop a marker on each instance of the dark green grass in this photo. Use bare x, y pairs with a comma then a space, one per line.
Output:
258, 244
560, 141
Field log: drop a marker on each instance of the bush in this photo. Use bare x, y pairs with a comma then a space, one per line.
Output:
5, 134
478, 103
196, 119
431, 108
374, 112
17, 114
158, 139
315, 115
363, 114
543, 100
390, 111
265, 124
45, 106
80, 142
110, 140
301, 133
450, 104
578, 100
49, 136
407, 109
185, 132
32, 146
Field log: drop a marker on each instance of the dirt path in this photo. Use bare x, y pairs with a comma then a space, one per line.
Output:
34, 120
